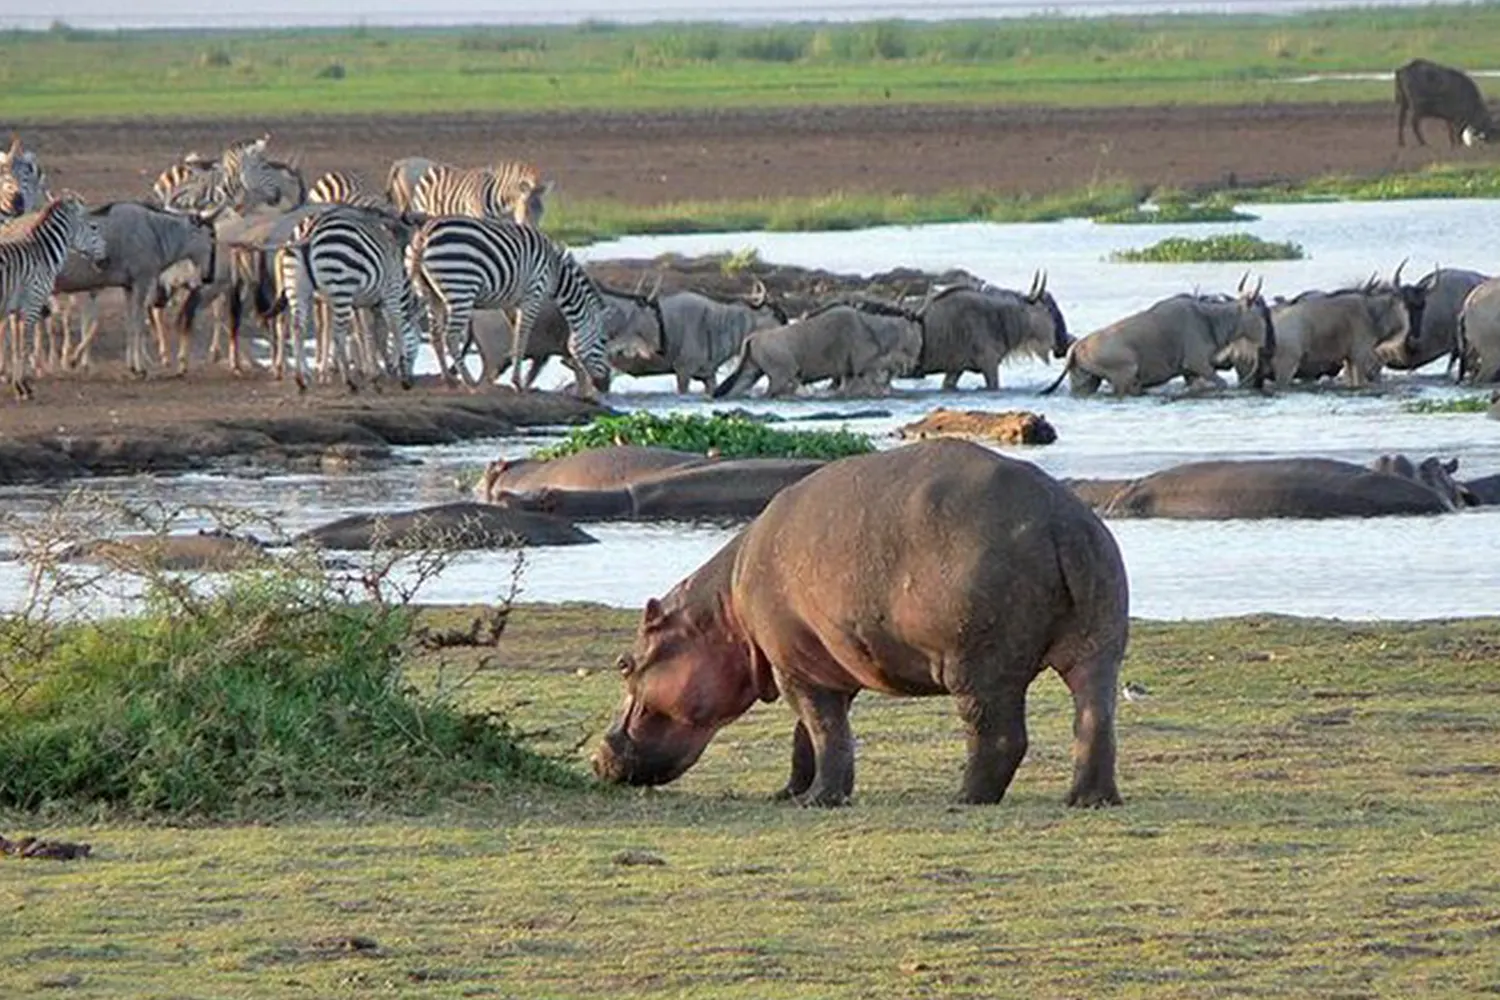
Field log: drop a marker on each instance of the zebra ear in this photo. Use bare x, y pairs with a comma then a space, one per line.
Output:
15, 146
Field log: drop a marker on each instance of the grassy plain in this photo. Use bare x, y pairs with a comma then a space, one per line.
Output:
1310, 812
69, 73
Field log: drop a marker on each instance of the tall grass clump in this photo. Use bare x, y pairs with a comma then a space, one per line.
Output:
276, 691
1230, 247
732, 435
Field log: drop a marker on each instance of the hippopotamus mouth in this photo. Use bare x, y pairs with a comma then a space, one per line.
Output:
622, 761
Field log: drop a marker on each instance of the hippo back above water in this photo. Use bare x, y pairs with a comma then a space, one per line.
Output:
936, 568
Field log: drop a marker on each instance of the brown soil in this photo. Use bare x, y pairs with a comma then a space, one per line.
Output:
652, 157
648, 158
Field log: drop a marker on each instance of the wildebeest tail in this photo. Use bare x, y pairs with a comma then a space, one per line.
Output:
1067, 367
1460, 353
745, 368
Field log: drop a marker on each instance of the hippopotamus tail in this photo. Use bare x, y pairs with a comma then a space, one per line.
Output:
745, 369
1067, 367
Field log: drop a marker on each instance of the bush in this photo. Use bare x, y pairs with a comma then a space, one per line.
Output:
734, 436
1464, 404
333, 71
1173, 211
773, 46
279, 690
1232, 247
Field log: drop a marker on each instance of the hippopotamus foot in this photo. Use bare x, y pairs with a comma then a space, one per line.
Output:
997, 743
1092, 683
824, 718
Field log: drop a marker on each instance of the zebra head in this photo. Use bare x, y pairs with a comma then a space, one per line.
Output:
23, 185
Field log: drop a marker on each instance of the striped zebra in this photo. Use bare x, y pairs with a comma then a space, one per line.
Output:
341, 187
458, 265
241, 178
351, 258
508, 190
23, 184
30, 261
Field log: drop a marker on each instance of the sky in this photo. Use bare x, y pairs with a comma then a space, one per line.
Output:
266, 13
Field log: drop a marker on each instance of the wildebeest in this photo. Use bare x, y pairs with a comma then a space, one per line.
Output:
1320, 333
141, 242
965, 329
1478, 346
1184, 335
1435, 335
1425, 89
857, 345
690, 335
492, 334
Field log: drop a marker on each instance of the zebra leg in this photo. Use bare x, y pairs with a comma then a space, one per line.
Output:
455, 324
298, 315
525, 317
340, 336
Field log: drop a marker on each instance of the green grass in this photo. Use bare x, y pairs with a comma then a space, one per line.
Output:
1231, 247
1171, 210
579, 222
68, 73
733, 436
1310, 812
1441, 180
1465, 404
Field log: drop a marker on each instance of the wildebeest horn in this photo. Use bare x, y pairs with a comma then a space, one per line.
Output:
656, 288
1396, 277
1241, 286
758, 293
1042, 288
1035, 277
640, 282
1259, 283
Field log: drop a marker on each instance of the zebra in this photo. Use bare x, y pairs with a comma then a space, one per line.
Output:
241, 178
30, 261
344, 188
511, 190
459, 264
23, 184
180, 175
351, 257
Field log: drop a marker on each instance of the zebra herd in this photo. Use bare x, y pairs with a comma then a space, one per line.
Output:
438, 243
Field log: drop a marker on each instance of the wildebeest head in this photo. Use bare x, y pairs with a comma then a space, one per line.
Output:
1257, 327
760, 299
1038, 295
686, 677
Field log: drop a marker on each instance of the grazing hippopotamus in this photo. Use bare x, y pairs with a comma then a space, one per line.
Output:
1277, 487
447, 526
936, 568
594, 469
734, 488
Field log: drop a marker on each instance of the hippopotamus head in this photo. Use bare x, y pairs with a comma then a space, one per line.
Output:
1435, 474
687, 676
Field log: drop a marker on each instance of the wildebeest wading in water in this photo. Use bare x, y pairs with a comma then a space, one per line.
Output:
1425, 89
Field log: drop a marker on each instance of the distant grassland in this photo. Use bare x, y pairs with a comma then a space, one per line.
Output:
68, 73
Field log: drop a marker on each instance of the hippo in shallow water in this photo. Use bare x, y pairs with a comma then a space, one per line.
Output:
956, 571
1279, 487
734, 488
447, 526
594, 469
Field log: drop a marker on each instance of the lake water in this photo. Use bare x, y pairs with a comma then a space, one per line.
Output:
1369, 569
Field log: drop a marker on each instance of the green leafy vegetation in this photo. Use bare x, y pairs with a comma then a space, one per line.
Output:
732, 435
1439, 180
1106, 61
1310, 811
278, 693
1230, 247
1465, 404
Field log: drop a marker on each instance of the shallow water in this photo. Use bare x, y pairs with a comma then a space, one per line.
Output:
1379, 568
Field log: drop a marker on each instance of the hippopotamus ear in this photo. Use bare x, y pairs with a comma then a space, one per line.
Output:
653, 614
1451, 466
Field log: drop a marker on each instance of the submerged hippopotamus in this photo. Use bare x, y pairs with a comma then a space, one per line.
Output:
447, 526
594, 469
733, 488
955, 571
1289, 487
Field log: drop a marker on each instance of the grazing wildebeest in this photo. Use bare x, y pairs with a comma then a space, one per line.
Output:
1435, 334
858, 345
966, 329
1184, 335
690, 335
1425, 89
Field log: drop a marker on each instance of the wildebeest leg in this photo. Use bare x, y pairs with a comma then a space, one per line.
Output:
1091, 672
1416, 128
1083, 383
803, 765
825, 716
685, 383
1400, 123
996, 722
950, 381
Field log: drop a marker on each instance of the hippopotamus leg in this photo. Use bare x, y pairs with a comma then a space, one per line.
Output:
1091, 670
804, 765
996, 721
823, 716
